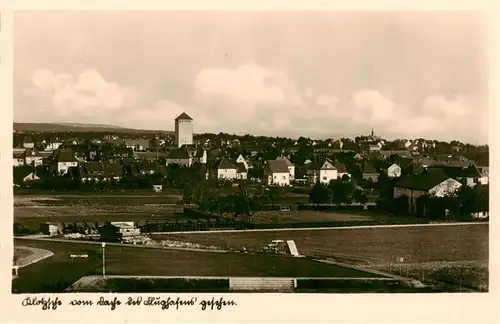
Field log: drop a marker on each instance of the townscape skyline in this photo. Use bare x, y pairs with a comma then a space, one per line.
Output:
405, 75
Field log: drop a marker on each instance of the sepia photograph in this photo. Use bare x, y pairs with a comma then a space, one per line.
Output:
328, 152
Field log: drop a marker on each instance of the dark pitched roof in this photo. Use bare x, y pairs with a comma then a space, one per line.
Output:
181, 153
369, 168
425, 181
413, 168
470, 172
287, 161
183, 116
226, 164
241, 168
113, 170
94, 166
277, 166
340, 167
64, 156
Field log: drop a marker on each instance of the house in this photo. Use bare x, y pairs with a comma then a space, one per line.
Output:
179, 156
32, 176
92, 171
241, 159
197, 153
113, 171
32, 157
62, 160
157, 188
51, 229
413, 168
323, 173
358, 157
276, 173
370, 172
227, 170
394, 171
482, 165
147, 167
470, 175
341, 170
374, 147
28, 143
18, 158
137, 144
53, 146
433, 182
117, 231
386, 154
291, 167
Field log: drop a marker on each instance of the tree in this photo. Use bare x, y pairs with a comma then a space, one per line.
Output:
360, 197
320, 194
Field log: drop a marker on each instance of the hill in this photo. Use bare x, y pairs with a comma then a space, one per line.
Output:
77, 127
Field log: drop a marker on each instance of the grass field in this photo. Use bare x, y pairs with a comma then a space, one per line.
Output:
380, 245
58, 272
462, 274
298, 216
30, 211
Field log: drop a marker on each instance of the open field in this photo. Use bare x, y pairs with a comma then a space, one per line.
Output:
375, 245
462, 275
131, 284
298, 216
30, 211
58, 272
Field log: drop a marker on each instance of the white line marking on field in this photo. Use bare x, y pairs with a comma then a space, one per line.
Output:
321, 228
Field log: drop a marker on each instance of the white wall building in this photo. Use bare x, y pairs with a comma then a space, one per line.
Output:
291, 167
183, 130
394, 171
327, 172
277, 173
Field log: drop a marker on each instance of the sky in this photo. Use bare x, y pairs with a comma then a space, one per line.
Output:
314, 74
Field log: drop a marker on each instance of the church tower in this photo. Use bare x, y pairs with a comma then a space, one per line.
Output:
183, 130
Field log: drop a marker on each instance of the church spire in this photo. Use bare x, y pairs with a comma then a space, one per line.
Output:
373, 133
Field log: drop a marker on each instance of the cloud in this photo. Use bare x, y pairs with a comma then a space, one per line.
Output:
324, 100
457, 107
84, 93
249, 85
318, 74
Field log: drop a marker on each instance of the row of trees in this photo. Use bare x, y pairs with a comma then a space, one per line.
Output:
341, 191
208, 198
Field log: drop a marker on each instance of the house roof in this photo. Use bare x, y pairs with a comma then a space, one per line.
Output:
413, 168
277, 166
64, 156
225, 164
425, 181
241, 168
328, 165
181, 153
113, 169
183, 116
471, 172
341, 168
94, 166
369, 168
287, 161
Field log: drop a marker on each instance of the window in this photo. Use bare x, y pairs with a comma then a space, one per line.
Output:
324, 178
284, 178
275, 177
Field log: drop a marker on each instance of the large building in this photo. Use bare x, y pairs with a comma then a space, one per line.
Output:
183, 130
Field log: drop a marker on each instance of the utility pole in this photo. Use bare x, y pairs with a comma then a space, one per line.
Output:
103, 260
